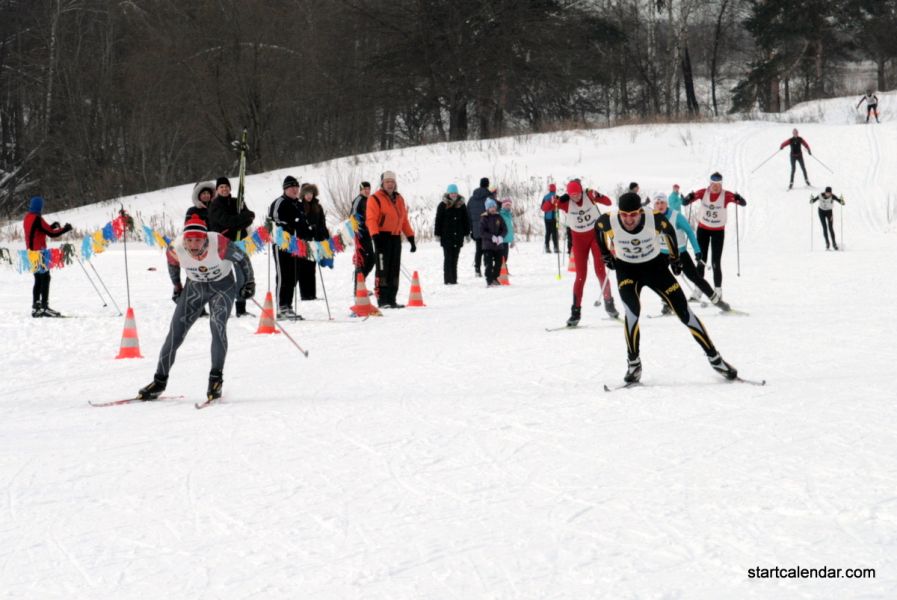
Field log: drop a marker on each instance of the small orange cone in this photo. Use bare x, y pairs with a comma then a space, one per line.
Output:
363, 306
503, 275
416, 298
130, 345
571, 266
266, 320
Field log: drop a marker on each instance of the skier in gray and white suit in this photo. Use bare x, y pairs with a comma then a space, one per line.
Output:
209, 260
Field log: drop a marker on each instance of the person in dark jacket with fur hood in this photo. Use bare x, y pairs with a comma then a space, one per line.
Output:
311, 227
202, 197
452, 226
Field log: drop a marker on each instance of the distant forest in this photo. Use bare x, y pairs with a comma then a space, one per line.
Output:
101, 98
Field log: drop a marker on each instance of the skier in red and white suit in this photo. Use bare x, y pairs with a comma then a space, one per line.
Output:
580, 214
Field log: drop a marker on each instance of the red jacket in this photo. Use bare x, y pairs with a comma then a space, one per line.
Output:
591, 194
37, 230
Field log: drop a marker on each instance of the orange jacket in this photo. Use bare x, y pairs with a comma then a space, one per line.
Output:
384, 215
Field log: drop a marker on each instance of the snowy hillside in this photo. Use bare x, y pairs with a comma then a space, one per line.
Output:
460, 450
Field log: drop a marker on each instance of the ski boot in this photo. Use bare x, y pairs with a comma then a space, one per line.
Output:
790, 185
36, 311
611, 309
287, 314
633, 371
666, 310
46, 311
575, 314
695, 296
722, 367
153, 390
807, 181
835, 245
717, 300
215, 382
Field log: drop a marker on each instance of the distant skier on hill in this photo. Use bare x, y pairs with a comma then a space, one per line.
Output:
826, 200
871, 101
210, 261
797, 155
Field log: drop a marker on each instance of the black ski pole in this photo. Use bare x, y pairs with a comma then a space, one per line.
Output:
823, 164
282, 330
737, 242
557, 236
95, 288
324, 289
767, 160
124, 238
811, 224
100, 279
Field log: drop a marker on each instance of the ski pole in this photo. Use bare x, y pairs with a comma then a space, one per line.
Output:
737, 243
811, 227
841, 218
324, 289
405, 272
100, 279
95, 288
557, 235
282, 330
823, 164
766, 161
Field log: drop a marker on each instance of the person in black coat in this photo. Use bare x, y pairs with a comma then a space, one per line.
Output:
493, 231
452, 226
476, 206
312, 226
364, 258
231, 218
286, 212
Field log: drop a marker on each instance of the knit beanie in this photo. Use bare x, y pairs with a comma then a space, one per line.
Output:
484, 182
36, 205
290, 181
452, 189
222, 181
629, 202
195, 227
490, 203
574, 187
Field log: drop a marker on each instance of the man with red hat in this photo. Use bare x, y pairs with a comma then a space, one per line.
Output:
580, 215
550, 209
209, 260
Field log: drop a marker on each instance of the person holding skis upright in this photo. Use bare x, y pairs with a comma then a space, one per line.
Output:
580, 215
634, 234
712, 217
797, 155
209, 260
36, 232
684, 234
826, 201
871, 101
232, 219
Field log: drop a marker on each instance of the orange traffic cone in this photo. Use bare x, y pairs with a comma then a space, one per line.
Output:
363, 306
130, 345
571, 266
503, 275
266, 320
416, 298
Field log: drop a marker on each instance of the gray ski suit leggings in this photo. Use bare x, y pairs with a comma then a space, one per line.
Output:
220, 296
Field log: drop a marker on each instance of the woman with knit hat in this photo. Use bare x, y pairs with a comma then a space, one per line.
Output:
451, 227
580, 213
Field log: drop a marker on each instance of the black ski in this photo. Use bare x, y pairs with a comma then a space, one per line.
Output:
103, 404
749, 381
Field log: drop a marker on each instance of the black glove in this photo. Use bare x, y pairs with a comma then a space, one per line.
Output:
699, 259
177, 293
248, 290
741, 201
608, 262
67, 227
676, 266
689, 198
413, 246
841, 200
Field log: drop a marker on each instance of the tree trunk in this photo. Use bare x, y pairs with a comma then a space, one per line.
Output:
787, 94
691, 100
880, 68
717, 34
775, 98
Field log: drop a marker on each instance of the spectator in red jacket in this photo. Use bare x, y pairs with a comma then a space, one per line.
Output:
36, 232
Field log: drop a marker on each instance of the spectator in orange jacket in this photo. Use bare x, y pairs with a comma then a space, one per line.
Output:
387, 219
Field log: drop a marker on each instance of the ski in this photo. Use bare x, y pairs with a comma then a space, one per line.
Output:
206, 403
623, 386
103, 404
734, 312
749, 381
562, 328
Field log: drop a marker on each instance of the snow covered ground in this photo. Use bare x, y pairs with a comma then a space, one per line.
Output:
460, 450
